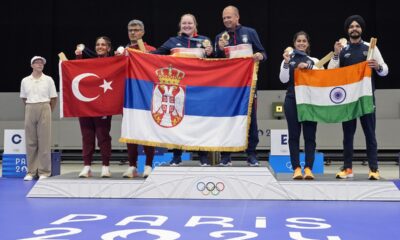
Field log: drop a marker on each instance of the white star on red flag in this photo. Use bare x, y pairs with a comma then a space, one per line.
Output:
106, 85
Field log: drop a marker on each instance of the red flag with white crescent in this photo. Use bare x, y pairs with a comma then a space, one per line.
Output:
92, 87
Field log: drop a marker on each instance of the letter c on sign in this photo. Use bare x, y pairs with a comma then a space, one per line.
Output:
16, 139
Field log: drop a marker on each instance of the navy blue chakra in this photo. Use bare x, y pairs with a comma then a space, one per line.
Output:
337, 95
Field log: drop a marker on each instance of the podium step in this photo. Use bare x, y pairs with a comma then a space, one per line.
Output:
189, 182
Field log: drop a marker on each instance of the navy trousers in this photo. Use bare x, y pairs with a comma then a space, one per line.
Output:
294, 128
368, 123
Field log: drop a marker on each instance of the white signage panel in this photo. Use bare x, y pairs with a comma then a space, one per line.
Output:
14, 141
280, 142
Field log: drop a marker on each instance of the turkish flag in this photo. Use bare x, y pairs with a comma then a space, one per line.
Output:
92, 87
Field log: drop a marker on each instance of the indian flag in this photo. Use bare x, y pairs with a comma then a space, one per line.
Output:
334, 95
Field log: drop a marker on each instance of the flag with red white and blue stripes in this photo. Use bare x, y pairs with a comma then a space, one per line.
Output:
188, 103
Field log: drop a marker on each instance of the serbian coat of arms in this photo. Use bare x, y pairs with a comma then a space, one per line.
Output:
168, 100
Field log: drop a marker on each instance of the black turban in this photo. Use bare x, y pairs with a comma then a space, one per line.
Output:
352, 18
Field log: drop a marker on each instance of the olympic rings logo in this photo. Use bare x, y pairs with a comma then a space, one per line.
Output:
210, 188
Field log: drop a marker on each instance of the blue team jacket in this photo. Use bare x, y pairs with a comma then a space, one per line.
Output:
180, 41
241, 35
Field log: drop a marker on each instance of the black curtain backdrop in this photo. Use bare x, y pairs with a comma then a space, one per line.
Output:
47, 27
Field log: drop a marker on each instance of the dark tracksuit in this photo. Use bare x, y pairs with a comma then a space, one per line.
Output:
294, 126
182, 41
242, 35
352, 54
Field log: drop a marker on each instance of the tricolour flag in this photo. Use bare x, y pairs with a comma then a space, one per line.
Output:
188, 103
334, 95
92, 87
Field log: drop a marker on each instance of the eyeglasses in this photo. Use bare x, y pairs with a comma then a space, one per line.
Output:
135, 30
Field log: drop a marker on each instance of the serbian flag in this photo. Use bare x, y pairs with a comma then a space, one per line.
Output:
92, 87
334, 95
188, 103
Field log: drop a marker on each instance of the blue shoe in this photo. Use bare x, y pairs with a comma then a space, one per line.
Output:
252, 161
225, 161
176, 160
204, 162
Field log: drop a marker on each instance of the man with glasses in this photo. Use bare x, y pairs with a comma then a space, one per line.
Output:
135, 34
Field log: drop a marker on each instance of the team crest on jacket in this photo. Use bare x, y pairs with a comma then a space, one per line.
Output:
168, 101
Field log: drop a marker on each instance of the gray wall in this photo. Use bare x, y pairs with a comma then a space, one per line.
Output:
66, 132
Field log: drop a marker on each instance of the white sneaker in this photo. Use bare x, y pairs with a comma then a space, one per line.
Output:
43, 177
86, 172
28, 177
105, 172
130, 172
147, 171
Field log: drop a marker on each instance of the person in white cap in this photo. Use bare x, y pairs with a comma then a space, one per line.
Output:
38, 92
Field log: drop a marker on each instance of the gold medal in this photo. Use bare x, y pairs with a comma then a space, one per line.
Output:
289, 50
225, 36
206, 43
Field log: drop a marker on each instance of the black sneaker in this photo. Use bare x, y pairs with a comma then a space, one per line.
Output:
175, 161
225, 162
204, 162
252, 161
